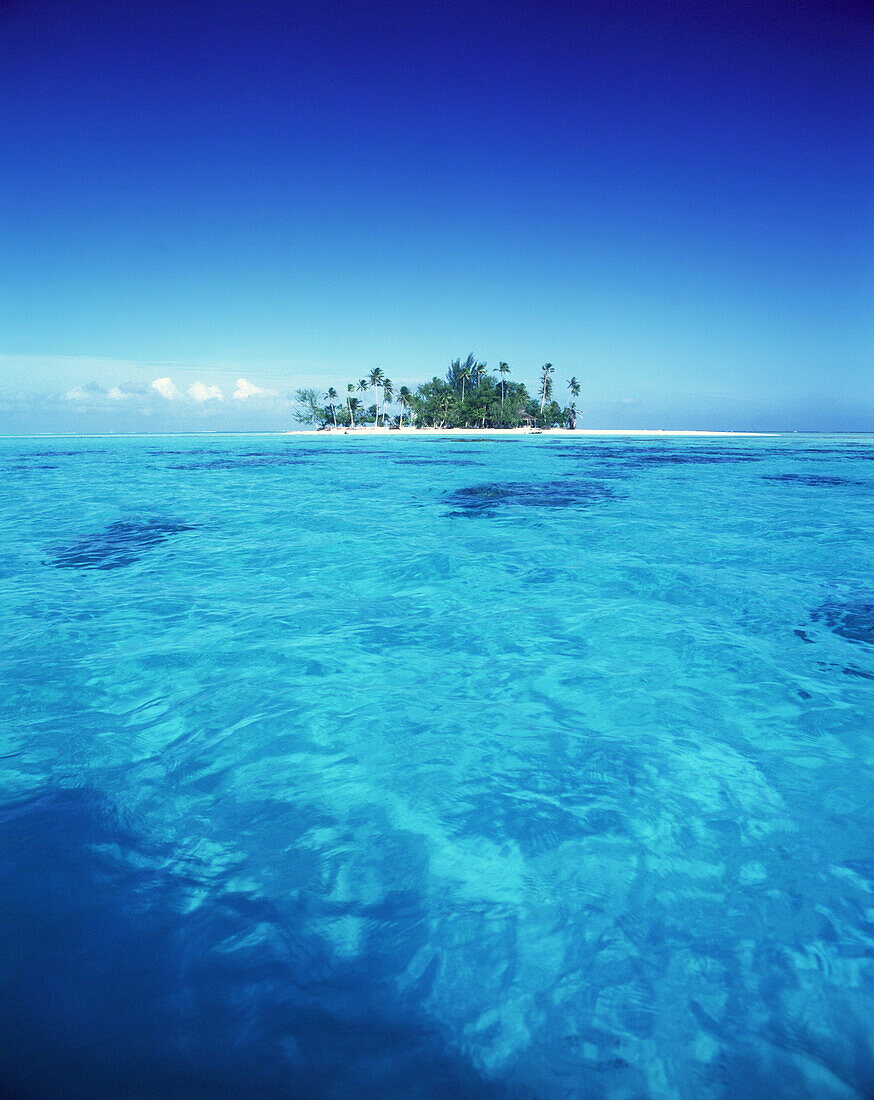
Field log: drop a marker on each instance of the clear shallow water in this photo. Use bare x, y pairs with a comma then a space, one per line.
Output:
383, 767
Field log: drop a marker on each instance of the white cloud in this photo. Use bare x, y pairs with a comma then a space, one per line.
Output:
115, 394
76, 394
201, 392
245, 390
166, 388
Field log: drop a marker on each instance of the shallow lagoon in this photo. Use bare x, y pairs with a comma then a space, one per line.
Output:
530, 767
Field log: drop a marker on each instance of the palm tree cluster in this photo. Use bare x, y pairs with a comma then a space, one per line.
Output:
466, 397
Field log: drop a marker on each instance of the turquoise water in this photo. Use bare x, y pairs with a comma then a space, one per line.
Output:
526, 767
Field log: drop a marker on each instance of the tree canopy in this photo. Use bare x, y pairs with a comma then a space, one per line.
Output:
467, 397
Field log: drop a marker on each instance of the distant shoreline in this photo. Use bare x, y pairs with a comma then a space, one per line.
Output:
408, 433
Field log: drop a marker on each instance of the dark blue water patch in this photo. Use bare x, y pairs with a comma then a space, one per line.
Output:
248, 460
853, 620
126, 973
455, 454
801, 453
121, 543
816, 480
186, 451
436, 462
484, 500
585, 452
342, 450
858, 673
643, 458
61, 454
243, 462
603, 471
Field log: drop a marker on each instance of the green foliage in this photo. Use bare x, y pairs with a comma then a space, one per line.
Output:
467, 397
309, 408
460, 373
453, 403
552, 414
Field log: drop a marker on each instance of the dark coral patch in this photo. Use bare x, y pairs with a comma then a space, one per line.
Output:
858, 673
646, 457
436, 462
60, 454
121, 543
241, 462
853, 620
813, 479
485, 499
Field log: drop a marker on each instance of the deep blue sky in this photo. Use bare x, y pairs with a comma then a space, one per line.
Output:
671, 201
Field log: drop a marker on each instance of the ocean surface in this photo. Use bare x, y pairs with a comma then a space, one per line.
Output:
384, 767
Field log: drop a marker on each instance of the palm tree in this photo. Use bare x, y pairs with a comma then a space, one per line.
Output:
375, 383
574, 386
388, 392
331, 397
502, 369
545, 384
457, 369
465, 376
404, 396
363, 387
353, 403
350, 389
548, 394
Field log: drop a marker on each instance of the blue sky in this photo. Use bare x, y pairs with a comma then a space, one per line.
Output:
670, 201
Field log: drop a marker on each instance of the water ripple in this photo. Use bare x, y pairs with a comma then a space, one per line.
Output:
312, 790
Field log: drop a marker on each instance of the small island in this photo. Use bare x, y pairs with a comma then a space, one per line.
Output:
468, 397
